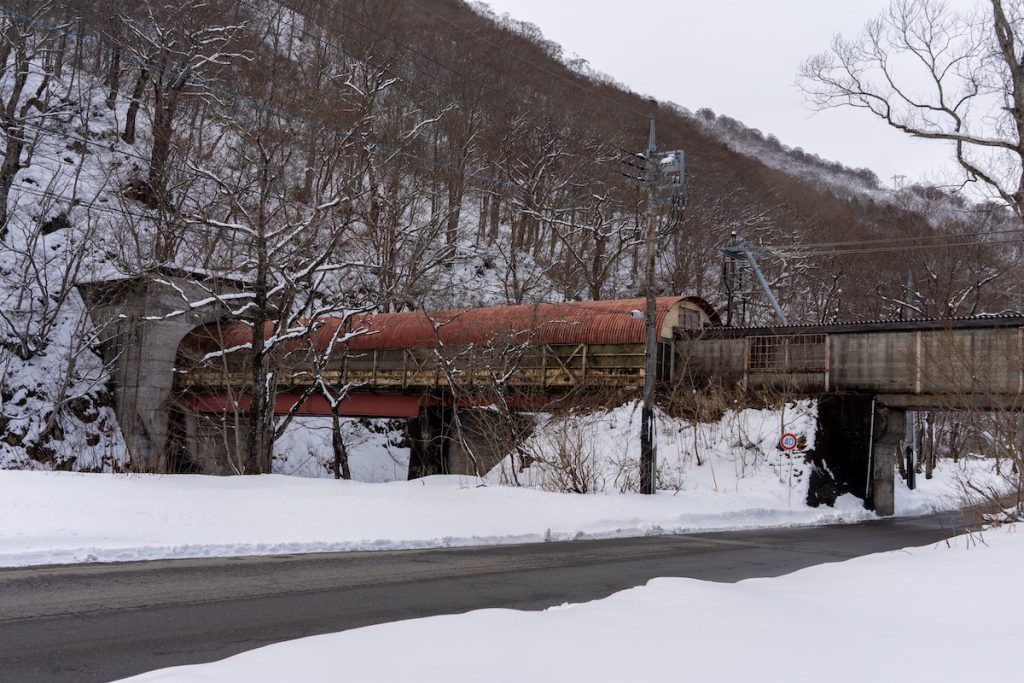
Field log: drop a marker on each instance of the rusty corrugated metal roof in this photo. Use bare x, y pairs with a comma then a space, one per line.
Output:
592, 322
573, 322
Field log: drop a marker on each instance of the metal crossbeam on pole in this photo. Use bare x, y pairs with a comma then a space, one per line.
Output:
663, 171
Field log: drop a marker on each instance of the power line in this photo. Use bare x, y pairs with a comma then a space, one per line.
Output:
110, 149
799, 251
805, 250
91, 206
336, 12
495, 290
906, 247
879, 241
328, 43
86, 141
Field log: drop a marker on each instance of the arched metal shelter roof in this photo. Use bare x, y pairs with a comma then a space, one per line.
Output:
573, 322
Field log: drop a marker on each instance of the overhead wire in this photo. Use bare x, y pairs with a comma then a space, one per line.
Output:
879, 241
891, 248
798, 250
333, 10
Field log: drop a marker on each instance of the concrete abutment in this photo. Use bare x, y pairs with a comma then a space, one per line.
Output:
142, 322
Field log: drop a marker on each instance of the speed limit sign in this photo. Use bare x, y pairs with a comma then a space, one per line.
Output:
788, 441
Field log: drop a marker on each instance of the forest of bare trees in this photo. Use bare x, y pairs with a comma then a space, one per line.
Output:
454, 141
336, 155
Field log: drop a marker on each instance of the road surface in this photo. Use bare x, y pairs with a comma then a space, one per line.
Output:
85, 623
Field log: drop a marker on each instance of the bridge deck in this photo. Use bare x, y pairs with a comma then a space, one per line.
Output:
973, 363
545, 367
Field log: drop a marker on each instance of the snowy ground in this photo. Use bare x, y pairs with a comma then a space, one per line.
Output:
62, 517
738, 453
942, 613
729, 474
376, 449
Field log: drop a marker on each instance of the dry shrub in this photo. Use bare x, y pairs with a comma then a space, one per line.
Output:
998, 436
568, 461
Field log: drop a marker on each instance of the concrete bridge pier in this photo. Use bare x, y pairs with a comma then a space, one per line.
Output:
208, 443
889, 428
471, 445
486, 438
857, 445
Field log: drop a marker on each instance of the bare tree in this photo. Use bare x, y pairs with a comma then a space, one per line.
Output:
176, 46
937, 74
329, 380
29, 63
281, 252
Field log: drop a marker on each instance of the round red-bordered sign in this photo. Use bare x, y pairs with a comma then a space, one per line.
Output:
788, 442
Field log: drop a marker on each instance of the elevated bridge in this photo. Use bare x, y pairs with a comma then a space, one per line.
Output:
536, 353
179, 392
532, 353
952, 364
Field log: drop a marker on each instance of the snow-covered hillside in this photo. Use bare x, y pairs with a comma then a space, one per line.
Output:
600, 452
377, 449
183, 136
66, 223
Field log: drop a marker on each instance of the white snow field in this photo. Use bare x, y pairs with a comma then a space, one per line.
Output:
65, 517
375, 449
729, 474
936, 614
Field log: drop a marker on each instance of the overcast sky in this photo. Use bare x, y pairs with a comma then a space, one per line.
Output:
738, 57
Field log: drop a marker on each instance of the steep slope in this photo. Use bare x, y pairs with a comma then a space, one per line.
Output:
330, 155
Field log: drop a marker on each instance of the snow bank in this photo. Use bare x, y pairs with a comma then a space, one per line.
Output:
946, 491
60, 517
739, 453
835, 622
64, 517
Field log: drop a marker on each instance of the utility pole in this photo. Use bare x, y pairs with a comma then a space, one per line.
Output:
661, 171
912, 431
741, 252
648, 449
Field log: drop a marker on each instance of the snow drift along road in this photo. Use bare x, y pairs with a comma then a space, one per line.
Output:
60, 517
837, 622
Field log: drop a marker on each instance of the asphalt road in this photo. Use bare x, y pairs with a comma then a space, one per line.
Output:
85, 623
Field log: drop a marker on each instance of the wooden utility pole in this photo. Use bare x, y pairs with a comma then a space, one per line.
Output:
648, 448
664, 174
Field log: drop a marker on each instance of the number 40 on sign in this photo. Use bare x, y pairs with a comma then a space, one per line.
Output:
788, 441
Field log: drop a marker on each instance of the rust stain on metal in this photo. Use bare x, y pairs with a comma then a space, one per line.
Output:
575, 322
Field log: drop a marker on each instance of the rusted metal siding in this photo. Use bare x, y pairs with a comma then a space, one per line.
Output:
577, 322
